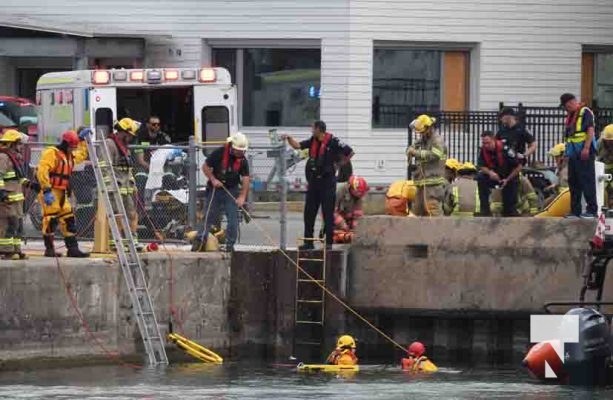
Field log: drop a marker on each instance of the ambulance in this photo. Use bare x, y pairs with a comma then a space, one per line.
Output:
189, 101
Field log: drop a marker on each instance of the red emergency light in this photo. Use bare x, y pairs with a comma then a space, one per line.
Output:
171, 74
100, 77
207, 75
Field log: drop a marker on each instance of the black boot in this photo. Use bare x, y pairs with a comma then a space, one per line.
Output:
49, 247
73, 248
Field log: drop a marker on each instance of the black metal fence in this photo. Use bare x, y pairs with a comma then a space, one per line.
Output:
461, 130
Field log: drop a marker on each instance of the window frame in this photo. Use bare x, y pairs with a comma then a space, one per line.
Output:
469, 48
240, 46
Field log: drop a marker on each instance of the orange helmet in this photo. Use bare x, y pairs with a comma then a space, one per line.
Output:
358, 186
417, 349
71, 138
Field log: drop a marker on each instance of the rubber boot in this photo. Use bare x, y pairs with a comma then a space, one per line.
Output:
73, 248
49, 247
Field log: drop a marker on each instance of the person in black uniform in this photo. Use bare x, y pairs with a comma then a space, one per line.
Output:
324, 152
516, 136
500, 167
228, 172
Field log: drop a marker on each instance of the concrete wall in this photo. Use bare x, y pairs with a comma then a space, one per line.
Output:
38, 320
477, 265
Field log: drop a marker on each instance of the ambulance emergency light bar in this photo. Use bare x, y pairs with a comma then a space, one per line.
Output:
103, 77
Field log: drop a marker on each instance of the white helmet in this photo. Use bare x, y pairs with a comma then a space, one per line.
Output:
239, 141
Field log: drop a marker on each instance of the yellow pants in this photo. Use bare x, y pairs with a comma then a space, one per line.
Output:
58, 213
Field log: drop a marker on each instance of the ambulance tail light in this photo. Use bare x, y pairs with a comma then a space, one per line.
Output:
171, 74
207, 75
101, 77
137, 76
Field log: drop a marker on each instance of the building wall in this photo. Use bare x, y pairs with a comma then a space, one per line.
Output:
525, 51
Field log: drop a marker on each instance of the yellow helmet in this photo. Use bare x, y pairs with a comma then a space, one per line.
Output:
127, 125
345, 341
423, 122
11, 135
557, 150
467, 166
607, 132
453, 164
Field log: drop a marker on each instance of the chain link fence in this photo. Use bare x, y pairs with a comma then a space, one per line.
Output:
170, 194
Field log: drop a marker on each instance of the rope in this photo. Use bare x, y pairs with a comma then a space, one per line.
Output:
323, 287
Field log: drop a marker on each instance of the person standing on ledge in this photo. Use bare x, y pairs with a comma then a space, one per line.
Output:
325, 150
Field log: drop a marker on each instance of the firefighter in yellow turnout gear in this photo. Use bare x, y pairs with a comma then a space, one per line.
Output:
429, 153
122, 161
462, 196
12, 181
604, 149
54, 170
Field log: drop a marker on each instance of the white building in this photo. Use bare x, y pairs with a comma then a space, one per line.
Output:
348, 62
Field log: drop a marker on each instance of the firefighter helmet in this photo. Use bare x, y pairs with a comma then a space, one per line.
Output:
239, 141
422, 123
607, 132
345, 341
357, 186
11, 135
71, 138
453, 164
127, 125
416, 349
557, 150
467, 167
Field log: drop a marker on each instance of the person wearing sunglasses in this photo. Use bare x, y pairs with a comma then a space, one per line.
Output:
150, 134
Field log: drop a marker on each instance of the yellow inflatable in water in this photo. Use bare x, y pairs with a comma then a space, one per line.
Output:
559, 207
327, 368
194, 349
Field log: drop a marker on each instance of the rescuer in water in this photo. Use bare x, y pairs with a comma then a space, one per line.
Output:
344, 354
417, 360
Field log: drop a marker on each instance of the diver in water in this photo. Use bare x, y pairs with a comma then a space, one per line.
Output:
416, 360
344, 354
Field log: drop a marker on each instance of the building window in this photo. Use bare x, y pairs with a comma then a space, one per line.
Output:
603, 80
406, 79
277, 87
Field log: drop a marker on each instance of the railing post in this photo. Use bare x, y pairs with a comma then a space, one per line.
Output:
281, 168
192, 184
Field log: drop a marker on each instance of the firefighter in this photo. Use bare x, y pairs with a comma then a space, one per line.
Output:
344, 354
53, 173
417, 360
12, 181
499, 168
429, 154
462, 200
348, 208
117, 143
604, 147
527, 199
326, 154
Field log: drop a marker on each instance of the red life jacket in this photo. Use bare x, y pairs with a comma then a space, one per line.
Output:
123, 150
225, 161
487, 157
313, 153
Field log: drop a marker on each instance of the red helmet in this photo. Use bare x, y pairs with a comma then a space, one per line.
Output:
71, 138
358, 186
417, 349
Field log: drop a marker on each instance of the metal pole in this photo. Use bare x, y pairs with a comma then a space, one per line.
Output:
282, 168
192, 184
250, 194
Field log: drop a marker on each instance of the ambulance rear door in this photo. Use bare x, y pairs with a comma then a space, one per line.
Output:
215, 117
103, 109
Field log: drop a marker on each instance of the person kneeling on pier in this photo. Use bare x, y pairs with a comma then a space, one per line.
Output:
344, 354
416, 360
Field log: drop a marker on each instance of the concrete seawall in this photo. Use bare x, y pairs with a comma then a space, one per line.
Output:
462, 286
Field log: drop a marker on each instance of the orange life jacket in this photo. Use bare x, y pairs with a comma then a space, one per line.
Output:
59, 176
487, 157
342, 357
314, 152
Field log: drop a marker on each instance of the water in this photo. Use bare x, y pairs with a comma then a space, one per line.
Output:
237, 381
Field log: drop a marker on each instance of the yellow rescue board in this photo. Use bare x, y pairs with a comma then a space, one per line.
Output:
559, 207
194, 349
327, 368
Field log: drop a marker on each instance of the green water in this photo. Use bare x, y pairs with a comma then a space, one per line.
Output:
238, 381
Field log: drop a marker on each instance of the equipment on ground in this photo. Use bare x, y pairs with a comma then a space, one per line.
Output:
127, 254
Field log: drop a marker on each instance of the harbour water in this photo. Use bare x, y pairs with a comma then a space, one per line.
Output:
240, 381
